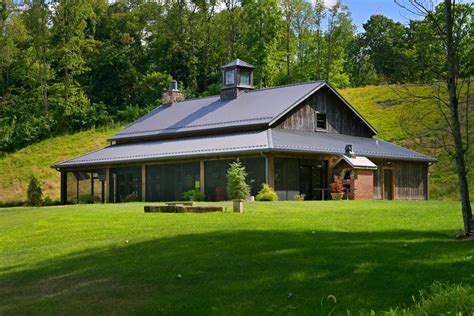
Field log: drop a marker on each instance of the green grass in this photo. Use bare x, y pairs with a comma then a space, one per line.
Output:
387, 108
17, 168
109, 259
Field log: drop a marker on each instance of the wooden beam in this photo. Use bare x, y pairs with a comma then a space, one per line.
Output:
63, 187
271, 171
202, 176
143, 183
107, 184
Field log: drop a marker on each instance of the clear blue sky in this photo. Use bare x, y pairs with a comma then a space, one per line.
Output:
362, 9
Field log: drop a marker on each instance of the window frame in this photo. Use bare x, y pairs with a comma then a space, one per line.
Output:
229, 71
247, 72
316, 127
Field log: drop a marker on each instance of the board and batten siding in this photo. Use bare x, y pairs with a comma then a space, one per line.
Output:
410, 179
340, 118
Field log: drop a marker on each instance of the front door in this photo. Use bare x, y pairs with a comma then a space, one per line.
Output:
306, 183
387, 184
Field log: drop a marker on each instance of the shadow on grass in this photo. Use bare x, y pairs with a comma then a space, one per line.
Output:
241, 272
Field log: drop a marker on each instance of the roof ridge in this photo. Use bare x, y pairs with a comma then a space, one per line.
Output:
250, 91
286, 85
192, 99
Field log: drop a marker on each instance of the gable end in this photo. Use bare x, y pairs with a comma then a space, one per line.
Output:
341, 117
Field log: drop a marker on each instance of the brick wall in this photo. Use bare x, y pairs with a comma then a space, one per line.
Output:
364, 185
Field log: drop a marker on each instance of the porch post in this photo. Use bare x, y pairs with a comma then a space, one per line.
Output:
143, 183
107, 184
63, 187
202, 175
271, 171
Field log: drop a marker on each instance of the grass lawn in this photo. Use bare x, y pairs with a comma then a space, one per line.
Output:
282, 257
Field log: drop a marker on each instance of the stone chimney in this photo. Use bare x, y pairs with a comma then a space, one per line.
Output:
173, 95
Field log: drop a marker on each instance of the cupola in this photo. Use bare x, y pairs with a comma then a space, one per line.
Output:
237, 76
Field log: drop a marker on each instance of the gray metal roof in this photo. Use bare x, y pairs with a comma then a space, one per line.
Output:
329, 143
248, 142
238, 62
251, 108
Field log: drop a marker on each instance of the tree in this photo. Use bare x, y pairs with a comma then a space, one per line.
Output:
237, 188
339, 34
37, 20
385, 42
452, 35
70, 21
319, 12
34, 192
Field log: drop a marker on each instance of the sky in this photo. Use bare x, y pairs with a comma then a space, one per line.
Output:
362, 9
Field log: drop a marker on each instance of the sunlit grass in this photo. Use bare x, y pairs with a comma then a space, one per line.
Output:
277, 257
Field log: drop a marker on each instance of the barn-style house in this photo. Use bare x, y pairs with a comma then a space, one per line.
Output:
294, 137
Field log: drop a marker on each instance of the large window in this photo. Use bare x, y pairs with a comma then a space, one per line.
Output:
229, 77
245, 77
300, 176
84, 187
125, 184
216, 177
168, 182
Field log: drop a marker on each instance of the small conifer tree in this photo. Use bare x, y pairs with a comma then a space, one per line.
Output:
237, 188
34, 192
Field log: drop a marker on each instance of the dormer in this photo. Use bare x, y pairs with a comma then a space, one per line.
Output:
237, 76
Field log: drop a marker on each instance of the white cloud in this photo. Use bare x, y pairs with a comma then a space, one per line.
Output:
329, 3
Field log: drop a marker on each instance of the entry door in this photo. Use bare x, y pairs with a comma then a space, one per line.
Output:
306, 183
387, 184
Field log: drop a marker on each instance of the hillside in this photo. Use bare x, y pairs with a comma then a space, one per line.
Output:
36, 159
388, 108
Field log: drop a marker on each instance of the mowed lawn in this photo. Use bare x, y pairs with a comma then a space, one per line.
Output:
281, 257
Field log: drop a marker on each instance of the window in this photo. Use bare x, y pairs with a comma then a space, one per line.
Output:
245, 77
320, 121
229, 77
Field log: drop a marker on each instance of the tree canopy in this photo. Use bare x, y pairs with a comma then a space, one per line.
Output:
68, 65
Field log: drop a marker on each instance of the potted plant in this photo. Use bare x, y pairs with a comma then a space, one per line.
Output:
337, 189
237, 188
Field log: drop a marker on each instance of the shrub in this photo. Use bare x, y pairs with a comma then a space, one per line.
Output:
266, 194
195, 195
237, 188
336, 186
50, 202
299, 197
34, 193
12, 204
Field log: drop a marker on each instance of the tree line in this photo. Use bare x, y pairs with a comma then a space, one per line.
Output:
68, 65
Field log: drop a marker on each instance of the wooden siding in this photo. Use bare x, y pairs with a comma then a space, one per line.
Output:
409, 177
340, 119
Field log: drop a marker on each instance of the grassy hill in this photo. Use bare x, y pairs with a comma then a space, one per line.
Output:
16, 168
390, 109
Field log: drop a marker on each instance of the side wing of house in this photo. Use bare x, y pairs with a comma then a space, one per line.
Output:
403, 180
326, 111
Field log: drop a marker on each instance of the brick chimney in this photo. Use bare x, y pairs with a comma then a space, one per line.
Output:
173, 95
